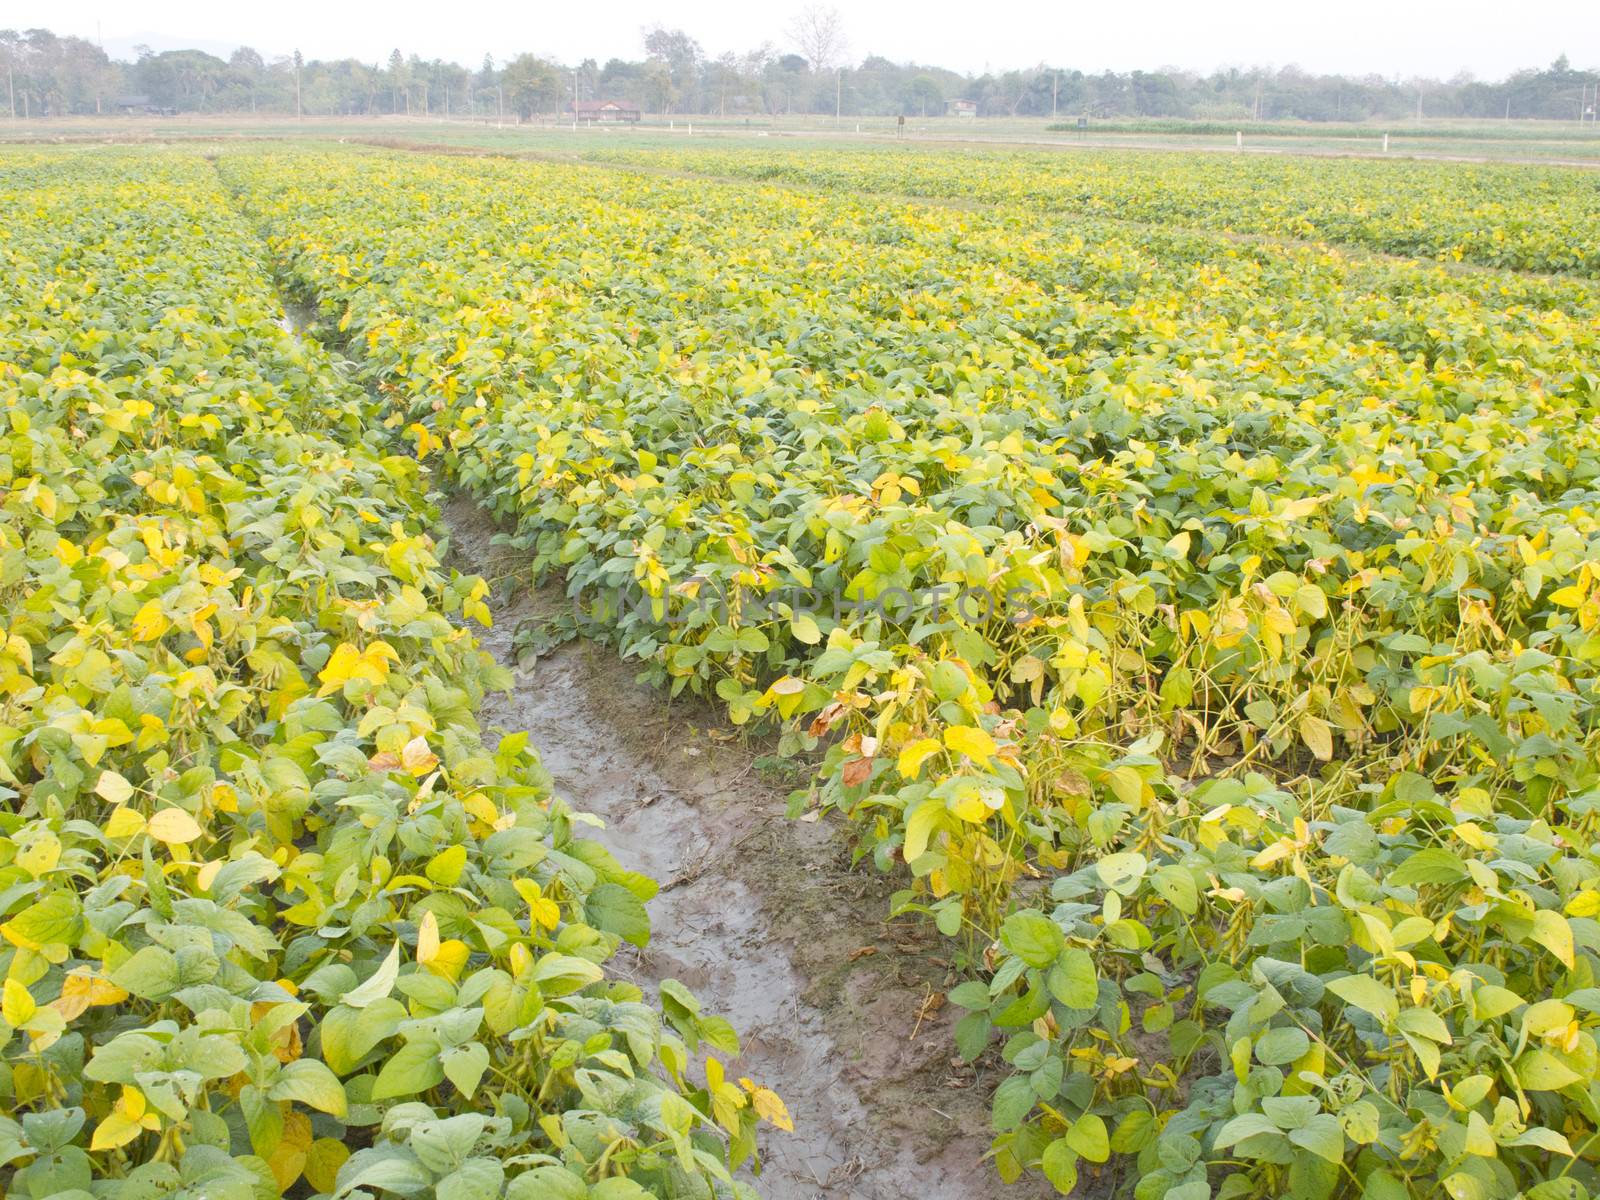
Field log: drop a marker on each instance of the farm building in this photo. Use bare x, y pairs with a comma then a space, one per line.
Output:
961, 108
138, 106
604, 112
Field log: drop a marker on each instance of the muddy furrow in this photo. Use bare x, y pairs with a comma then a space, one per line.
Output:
839, 1010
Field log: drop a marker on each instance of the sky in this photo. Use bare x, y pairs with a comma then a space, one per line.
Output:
1387, 37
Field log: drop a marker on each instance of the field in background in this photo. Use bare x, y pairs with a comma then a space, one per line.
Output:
1513, 140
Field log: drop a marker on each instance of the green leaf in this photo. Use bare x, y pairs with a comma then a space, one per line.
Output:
1072, 980
1122, 872
1013, 1100
1366, 993
1060, 1164
385, 1168
311, 1083
1541, 1071
1087, 1135
151, 974
442, 1146
614, 909
379, 984
805, 629
1176, 886
415, 1067
124, 1057
55, 920
1381, 1185
1282, 1045
349, 1034
1491, 1001
476, 1179
1360, 1122
562, 974
1322, 1136
1429, 866
1032, 937
1245, 1125
464, 1066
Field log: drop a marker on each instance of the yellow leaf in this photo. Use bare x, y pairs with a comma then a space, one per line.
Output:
150, 622
417, 758
450, 957
173, 826
81, 991
41, 855
347, 663
113, 787
917, 753
971, 741
327, 1155
116, 1130
124, 823
1317, 735
769, 1106
127, 1120
293, 1151
16, 1004
445, 867
1550, 930
427, 938
968, 804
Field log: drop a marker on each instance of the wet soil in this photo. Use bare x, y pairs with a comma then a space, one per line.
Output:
840, 1010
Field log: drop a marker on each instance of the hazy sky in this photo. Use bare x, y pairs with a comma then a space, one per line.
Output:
1389, 37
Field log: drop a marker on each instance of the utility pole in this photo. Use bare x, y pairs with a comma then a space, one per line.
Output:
499, 105
838, 95
447, 102
574, 100
11, 92
298, 113
1055, 88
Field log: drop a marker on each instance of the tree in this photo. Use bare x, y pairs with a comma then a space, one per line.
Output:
246, 69
924, 95
680, 54
185, 80
487, 81
531, 84
397, 79
818, 33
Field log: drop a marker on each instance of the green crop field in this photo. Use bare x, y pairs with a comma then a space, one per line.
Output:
1166, 587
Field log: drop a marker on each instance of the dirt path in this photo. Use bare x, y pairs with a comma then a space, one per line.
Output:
761, 916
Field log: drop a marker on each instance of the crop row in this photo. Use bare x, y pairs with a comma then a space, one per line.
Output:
277, 919
1520, 217
1261, 796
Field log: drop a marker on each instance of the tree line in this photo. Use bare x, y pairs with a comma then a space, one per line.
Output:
50, 76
